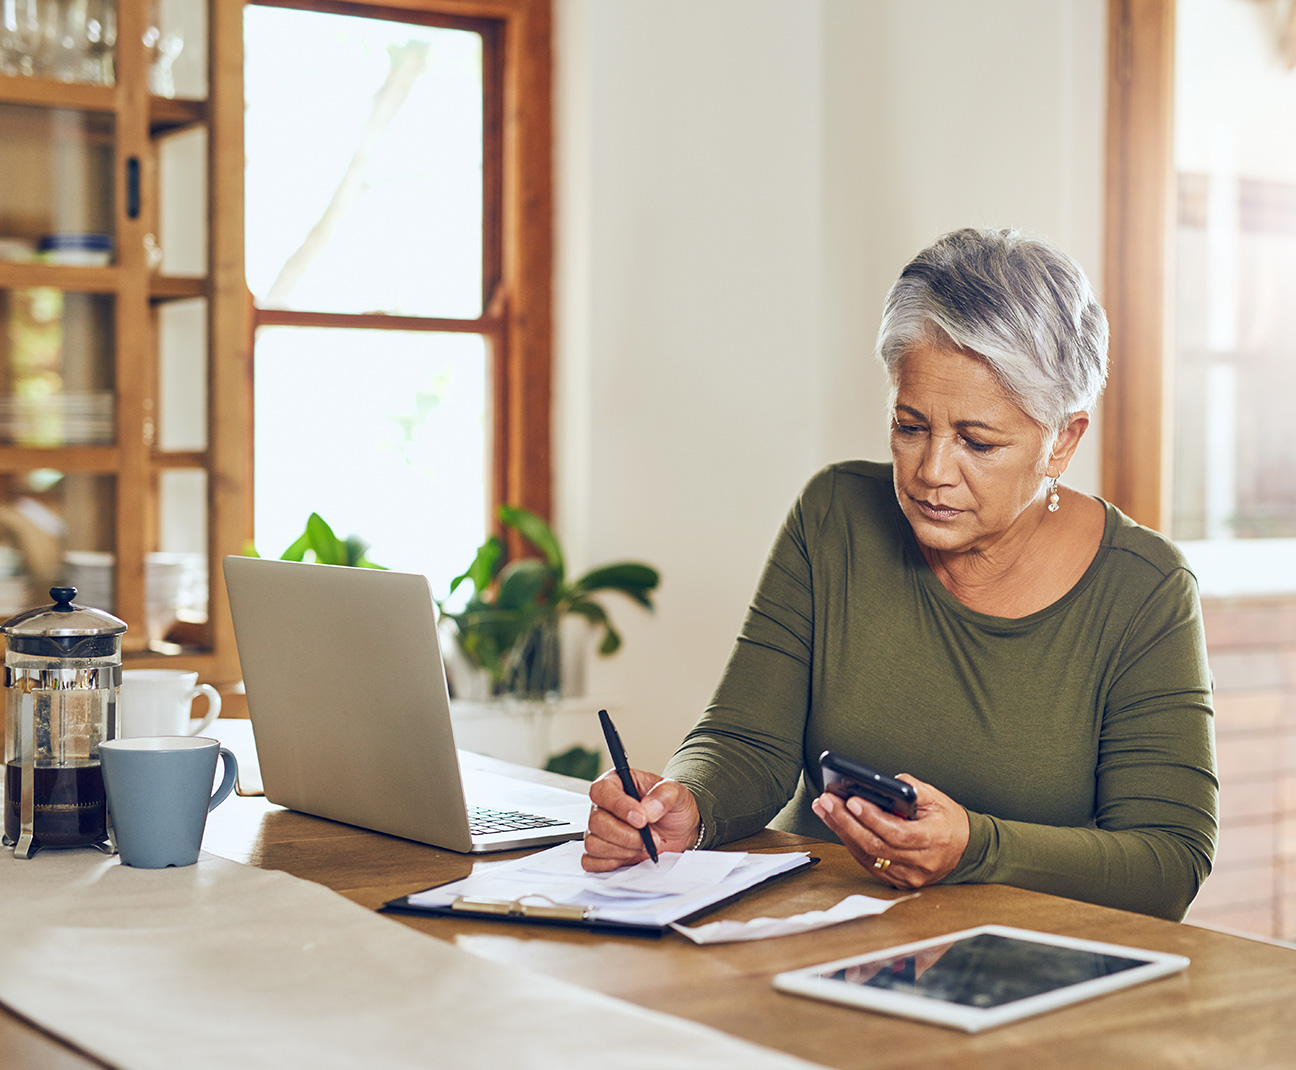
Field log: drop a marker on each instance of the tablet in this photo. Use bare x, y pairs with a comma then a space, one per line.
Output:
979, 978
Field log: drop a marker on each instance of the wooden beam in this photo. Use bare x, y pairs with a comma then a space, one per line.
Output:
528, 256
229, 389
1139, 230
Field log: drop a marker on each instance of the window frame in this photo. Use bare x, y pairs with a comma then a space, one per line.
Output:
1139, 231
522, 302
517, 267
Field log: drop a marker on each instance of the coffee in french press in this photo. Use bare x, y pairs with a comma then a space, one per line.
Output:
62, 677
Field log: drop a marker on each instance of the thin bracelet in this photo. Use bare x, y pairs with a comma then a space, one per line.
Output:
701, 835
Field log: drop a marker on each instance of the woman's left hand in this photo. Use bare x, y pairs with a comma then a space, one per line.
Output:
919, 852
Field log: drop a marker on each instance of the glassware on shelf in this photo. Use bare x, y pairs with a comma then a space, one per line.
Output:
63, 39
162, 47
20, 36
67, 40
98, 66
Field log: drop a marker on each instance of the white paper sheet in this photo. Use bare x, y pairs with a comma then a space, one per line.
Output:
724, 932
650, 893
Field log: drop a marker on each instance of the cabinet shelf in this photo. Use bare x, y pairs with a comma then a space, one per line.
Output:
95, 280
166, 115
92, 459
88, 280
47, 93
176, 287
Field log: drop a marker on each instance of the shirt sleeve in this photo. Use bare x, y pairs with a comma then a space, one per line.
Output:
1155, 825
743, 759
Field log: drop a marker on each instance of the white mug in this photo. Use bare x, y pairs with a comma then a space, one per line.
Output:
156, 702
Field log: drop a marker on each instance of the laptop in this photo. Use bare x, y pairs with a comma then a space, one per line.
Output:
351, 714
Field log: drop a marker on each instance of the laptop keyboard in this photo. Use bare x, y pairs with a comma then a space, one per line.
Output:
482, 821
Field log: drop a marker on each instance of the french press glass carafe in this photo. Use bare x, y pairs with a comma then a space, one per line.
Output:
62, 677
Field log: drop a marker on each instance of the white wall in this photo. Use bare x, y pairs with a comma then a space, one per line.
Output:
738, 183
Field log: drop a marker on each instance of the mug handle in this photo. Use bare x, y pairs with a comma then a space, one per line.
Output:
213, 706
227, 781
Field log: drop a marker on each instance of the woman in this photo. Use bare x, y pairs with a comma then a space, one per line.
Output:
1031, 658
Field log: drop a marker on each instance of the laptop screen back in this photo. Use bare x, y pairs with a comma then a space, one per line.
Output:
347, 695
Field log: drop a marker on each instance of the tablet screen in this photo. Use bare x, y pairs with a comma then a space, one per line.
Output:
980, 977
986, 970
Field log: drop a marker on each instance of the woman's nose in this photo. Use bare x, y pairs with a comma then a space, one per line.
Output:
938, 468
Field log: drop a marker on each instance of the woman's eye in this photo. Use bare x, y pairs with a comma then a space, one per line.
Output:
979, 447
908, 429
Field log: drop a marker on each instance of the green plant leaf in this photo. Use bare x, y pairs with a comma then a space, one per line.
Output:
512, 600
597, 616
490, 558
297, 551
487, 635
577, 762
611, 641
524, 585
630, 578
354, 551
329, 549
536, 532
591, 611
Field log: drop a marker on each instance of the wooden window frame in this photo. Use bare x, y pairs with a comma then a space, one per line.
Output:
517, 269
519, 283
1139, 232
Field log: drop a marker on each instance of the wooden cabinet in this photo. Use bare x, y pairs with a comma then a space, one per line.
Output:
124, 392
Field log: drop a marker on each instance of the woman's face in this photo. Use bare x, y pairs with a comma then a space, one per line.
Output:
969, 462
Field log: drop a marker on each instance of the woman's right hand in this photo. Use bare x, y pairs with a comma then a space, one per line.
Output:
667, 808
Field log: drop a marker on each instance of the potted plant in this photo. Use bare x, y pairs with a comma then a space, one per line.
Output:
509, 627
319, 545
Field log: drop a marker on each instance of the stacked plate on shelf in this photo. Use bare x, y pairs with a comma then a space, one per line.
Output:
13, 584
17, 250
81, 250
91, 573
72, 418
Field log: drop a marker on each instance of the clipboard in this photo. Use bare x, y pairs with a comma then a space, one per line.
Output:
538, 910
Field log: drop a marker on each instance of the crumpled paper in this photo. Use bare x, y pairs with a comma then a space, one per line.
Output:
723, 932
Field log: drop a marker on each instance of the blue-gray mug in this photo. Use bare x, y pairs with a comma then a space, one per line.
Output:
159, 794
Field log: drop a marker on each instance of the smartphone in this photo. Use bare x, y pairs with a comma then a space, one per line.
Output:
843, 777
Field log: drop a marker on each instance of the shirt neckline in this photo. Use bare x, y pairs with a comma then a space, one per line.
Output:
942, 593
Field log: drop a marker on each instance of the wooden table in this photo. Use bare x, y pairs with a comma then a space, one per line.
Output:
1234, 1006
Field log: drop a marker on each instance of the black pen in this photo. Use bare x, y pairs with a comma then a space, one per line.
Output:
622, 767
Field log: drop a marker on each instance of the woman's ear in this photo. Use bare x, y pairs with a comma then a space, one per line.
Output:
1064, 446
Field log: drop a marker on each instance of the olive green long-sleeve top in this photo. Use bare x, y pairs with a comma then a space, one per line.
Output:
1080, 738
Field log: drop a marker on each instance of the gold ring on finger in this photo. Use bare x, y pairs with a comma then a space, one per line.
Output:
881, 864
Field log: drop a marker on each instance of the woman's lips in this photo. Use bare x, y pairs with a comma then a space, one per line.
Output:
936, 512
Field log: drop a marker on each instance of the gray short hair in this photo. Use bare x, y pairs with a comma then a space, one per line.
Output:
1018, 303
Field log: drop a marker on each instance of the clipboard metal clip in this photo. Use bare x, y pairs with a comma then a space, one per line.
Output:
516, 908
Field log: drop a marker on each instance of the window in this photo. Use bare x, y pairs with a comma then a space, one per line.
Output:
397, 248
1202, 258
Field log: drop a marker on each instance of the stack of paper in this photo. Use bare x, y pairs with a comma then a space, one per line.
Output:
651, 894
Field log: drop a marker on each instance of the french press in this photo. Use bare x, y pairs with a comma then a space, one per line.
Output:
62, 677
